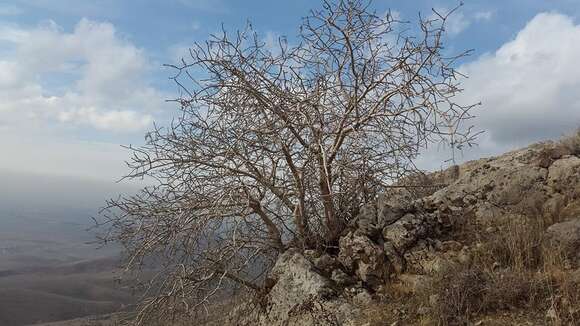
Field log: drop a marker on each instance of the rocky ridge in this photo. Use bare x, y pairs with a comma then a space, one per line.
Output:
408, 239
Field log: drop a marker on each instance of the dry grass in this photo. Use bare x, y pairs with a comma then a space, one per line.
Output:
515, 269
572, 143
515, 277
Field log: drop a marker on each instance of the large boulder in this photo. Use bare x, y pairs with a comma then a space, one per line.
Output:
564, 176
300, 296
566, 236
296, 283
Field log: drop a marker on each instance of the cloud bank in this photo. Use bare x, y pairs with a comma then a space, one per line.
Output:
89, 77
69, 98
528, 88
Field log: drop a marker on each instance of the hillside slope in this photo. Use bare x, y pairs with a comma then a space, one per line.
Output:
498, 244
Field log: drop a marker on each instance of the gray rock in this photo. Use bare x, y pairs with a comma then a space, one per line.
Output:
366, 221
366, 259
325, 262
341, 278
564, 176
407, 230
363, 298
387, 213
297, 283
566, 235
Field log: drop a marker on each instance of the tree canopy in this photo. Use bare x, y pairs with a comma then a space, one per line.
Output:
280, 146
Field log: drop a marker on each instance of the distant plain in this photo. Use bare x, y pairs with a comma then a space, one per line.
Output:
51, 269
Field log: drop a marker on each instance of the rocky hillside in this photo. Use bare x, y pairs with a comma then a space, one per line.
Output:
499, 244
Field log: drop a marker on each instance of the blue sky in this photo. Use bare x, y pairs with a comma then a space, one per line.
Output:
78, 78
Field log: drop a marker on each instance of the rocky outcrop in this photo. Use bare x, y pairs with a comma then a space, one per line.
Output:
406, 236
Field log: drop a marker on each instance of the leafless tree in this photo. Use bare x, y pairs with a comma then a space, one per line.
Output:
279, 146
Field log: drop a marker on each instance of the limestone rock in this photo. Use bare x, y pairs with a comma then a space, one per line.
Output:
388, 212
366, 221
566, 235
564, 176
297, 283
325, 263
366, 259
407, 230
341, 278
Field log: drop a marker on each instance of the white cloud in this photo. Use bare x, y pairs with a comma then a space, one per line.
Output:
65, 94
528, 87
457, 23
484, 15
103, 74
110, 120
37, 152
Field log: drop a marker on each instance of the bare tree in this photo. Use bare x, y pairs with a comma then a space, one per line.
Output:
279, 146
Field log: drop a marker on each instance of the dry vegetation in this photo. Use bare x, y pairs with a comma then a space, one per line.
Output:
515, 277
516, 274
572, 143
515, 271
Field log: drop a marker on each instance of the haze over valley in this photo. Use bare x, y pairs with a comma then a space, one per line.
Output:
50, 267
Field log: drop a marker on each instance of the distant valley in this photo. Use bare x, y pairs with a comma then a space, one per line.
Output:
50, 267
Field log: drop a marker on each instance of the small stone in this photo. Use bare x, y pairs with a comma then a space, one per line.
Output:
423, 311
324, 262
434, 300
469, 200
341, 278
566, 235
363, 298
